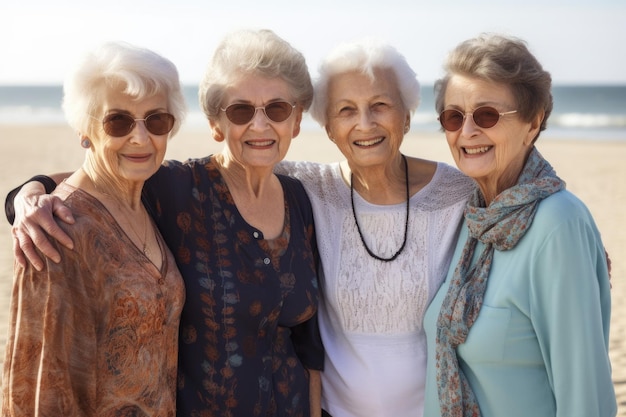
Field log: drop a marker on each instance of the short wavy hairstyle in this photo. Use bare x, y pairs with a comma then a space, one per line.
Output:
117, 66
260, 52
504, 60
365, 56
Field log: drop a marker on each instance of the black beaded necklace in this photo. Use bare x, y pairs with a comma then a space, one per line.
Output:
406, 223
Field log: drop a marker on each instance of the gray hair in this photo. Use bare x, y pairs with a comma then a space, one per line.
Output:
364, 56
253, 52
504, 60
137, 72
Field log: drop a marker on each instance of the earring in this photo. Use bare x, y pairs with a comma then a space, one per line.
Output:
406, 129
85, 143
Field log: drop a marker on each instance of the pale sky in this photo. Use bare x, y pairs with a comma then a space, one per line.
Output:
578, 41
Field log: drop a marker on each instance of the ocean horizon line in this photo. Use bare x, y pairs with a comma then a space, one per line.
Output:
583, 111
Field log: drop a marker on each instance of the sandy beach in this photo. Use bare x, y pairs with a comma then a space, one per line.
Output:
594, 171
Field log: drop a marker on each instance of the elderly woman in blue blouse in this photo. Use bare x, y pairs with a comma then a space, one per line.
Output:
520, 327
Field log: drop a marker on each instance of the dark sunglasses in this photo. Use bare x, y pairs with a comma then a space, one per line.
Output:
484, 117
240, 113
120, 124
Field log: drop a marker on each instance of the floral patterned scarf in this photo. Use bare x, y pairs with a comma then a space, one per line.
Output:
499, 226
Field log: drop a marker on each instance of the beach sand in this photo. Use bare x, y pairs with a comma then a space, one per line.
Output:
594, 171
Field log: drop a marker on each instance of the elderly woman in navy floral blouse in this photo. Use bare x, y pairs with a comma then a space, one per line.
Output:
244, 241
248, 328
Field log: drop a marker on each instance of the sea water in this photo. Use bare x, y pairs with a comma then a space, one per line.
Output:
582, 111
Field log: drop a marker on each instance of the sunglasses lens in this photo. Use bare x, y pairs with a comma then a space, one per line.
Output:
159, 123
240, 114
278, 111
118, 125
486, 117
451, 120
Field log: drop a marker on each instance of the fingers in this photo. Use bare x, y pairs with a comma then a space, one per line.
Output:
49, 224
19, 256
61, 211
38, 218
35, 225
608, 264
24, 250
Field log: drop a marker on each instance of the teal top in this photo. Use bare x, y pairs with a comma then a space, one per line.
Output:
539, 346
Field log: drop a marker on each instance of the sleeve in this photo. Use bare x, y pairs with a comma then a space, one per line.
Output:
50, 361
306, 337
9, 208
570, 311
286, 168
308, 345
308, 173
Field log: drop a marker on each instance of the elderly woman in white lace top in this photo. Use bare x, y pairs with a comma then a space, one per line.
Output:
386, 225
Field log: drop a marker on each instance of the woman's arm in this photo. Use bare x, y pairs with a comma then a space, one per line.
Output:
37, 213
571, 314
50, 362
34, 212
315, 393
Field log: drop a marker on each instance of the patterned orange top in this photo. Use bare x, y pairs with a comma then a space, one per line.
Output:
97, 334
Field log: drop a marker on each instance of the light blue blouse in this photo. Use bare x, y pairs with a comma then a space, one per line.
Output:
539, 346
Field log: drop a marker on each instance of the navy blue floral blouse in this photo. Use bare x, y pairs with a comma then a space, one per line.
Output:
248, 329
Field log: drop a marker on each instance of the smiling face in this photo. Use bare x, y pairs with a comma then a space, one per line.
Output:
260, 143
366, 118
494, 156
136, 156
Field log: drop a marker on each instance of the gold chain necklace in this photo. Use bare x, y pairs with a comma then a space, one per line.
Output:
144, 241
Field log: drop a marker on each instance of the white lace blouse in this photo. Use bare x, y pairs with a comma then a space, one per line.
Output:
371, 312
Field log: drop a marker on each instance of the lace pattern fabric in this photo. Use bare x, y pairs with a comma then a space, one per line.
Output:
372, 311
392, 295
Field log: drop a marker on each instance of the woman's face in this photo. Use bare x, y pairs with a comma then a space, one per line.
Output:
260, 142
366, 119
136, 156
493, 156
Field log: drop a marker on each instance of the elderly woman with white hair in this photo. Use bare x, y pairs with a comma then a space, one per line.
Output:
386, 227
96, 334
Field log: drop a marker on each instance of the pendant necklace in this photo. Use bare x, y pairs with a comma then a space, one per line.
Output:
144, 248
406, 223
144, 242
